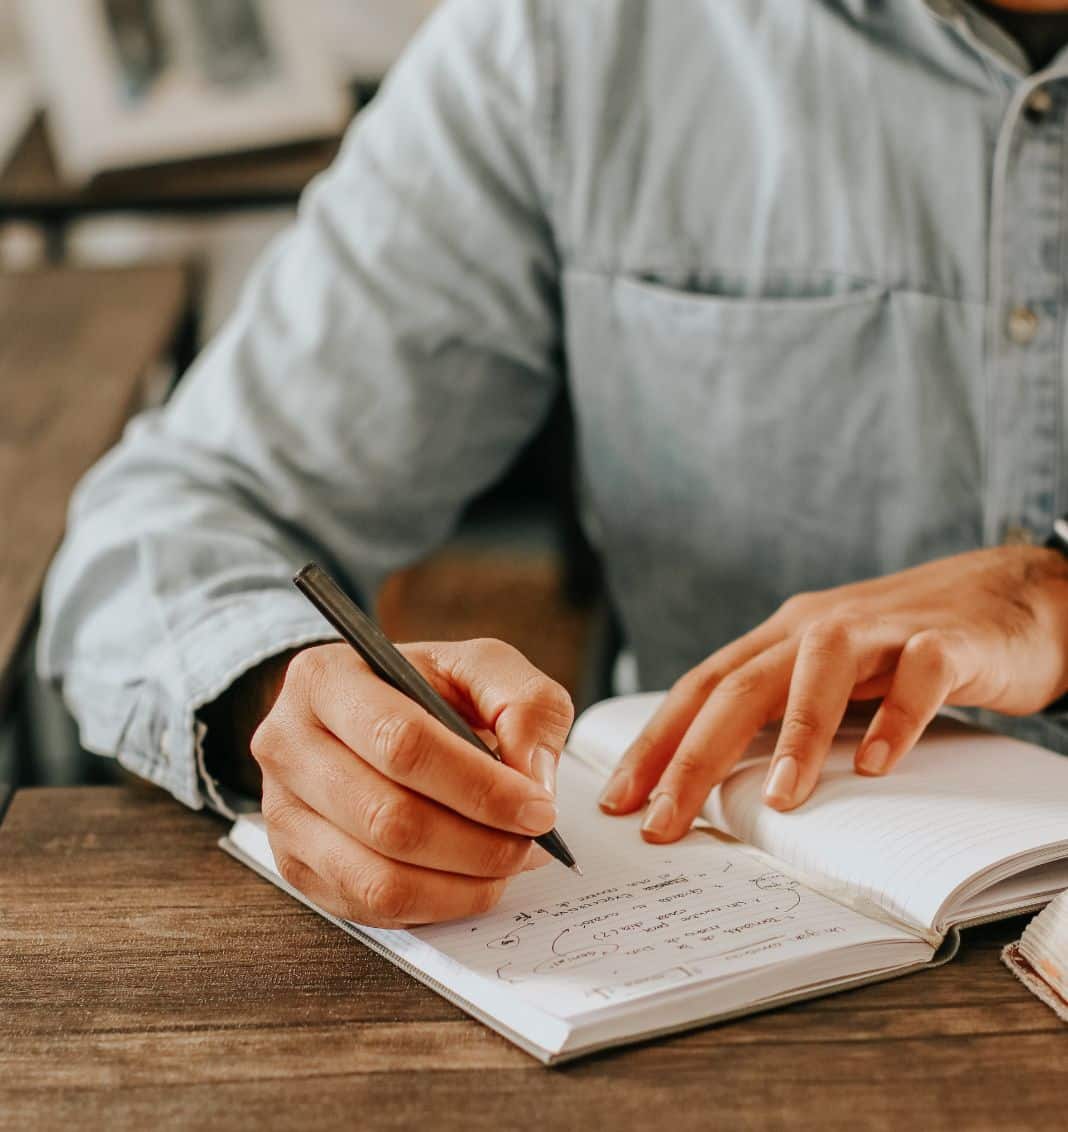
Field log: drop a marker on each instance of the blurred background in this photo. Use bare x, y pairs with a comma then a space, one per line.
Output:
149, 149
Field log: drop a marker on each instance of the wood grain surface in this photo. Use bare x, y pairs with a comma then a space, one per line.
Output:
149, 981
75, 347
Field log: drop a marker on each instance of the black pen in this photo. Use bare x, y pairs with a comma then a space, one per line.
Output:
390, 665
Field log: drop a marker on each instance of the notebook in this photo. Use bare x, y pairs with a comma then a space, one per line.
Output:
1039, 959
870, 879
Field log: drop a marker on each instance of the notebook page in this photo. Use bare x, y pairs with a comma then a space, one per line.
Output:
643, 919
961, 804
957, 806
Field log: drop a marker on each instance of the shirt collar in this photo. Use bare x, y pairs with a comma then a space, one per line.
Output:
988, 37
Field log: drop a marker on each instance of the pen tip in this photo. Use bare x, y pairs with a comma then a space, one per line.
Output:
575, 869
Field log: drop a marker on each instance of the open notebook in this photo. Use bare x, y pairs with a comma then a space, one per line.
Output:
870, 879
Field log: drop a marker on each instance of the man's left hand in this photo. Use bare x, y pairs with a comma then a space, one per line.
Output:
988, 628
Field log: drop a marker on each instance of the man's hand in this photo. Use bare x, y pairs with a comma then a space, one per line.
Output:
378, 813
983, 629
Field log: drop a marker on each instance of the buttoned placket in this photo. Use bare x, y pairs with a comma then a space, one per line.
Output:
1028, 256
1027, 262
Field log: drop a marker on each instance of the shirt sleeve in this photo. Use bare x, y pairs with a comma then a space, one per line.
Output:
390, 354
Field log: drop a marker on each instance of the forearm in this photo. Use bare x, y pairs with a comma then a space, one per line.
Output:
377, 373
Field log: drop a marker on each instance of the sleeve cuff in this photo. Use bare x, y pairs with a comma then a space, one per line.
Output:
158, 736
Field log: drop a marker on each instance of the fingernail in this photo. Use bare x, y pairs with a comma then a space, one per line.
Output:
874, 757
613, 794
659, 816
537, 816
543, 767
782, 781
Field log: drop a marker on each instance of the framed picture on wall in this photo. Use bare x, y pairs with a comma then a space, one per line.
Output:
138, 82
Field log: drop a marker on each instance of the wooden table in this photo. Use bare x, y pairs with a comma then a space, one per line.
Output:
75, 348
147, 980
31, 187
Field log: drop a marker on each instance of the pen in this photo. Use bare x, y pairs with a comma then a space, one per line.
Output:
390, 665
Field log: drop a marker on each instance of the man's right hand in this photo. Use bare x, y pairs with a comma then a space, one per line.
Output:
378, 813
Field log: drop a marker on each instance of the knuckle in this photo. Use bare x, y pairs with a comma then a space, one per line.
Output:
688, 765
266, 740
802, 725
399, 741
692, 684
504, 856
494, 646
484, 652
386, 896
797, 606
394, 828
306, 670
533, 690
556, 703
278, 811
370, 894
901, 716
742, 683
485, 795
533, 686
290, 869
828, 636
927, 650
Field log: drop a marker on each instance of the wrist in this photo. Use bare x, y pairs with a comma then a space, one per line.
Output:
231, 721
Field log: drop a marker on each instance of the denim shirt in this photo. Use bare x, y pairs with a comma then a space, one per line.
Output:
801, 262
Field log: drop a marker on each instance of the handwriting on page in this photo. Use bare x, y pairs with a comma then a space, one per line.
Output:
643, 919
696, 919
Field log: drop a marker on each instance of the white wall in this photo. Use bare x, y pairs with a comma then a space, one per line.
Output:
369, 34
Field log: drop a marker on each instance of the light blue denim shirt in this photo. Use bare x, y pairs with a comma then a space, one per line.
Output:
801, 262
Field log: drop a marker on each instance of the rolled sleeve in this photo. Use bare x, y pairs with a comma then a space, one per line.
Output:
390, 355
151, 727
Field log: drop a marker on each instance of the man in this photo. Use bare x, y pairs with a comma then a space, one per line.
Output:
802, 263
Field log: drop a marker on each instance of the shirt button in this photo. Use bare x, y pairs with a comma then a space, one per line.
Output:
1016, 534
1039, 103
1023, 325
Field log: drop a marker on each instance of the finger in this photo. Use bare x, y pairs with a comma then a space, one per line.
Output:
390, 819
529, 713
349, 880
932, 666
873, 689
739, 707
644, 761
413, 749
834, 655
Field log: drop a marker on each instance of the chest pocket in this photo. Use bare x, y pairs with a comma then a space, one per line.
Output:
818, 439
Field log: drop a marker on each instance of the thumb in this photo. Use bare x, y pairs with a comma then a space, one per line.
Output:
529, 713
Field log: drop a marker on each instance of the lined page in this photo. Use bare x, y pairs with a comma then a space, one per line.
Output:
643, 919
961, 804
